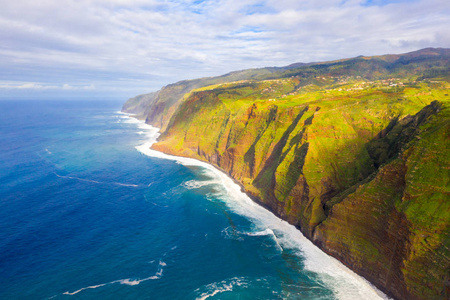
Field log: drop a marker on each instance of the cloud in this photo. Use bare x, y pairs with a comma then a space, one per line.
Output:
158, 42
70, 87
12, 85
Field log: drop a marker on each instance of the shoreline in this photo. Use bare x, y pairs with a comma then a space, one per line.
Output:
309, 249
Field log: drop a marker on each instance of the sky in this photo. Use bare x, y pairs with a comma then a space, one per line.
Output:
116, 49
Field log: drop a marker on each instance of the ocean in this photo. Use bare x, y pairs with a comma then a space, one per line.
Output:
88, 211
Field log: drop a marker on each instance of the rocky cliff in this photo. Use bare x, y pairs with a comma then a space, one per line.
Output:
353, 152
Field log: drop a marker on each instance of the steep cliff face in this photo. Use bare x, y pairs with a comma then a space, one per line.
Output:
394, 229
361, 166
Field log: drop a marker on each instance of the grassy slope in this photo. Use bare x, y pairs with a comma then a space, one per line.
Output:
359, 164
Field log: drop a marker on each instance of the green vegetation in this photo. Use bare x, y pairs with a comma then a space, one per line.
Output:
353, 152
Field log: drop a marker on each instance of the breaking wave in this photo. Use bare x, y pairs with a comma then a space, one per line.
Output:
127, 281
196, 184
223, 286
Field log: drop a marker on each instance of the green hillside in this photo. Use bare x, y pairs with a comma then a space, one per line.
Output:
353, 152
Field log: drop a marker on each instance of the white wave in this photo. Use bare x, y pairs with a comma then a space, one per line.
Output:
127, 281
195, 184
267, 231
97, 182
130, 282
215, 291
86, 288
130, 120
346, 284
220, 287
48, 151
77, 178
127, 118
231, 233
163, 264
125, 184
147, 127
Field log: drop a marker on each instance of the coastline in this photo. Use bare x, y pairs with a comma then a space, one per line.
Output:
316, 260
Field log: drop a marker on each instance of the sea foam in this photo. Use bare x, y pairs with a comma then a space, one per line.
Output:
221, 287
127, 281
346, 284
196, 184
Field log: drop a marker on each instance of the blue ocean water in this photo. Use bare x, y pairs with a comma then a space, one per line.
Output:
85, 215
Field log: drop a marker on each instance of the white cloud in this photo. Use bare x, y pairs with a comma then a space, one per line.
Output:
163, 41
14, 85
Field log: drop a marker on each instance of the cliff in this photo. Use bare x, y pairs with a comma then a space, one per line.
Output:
157, 108
352, 152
